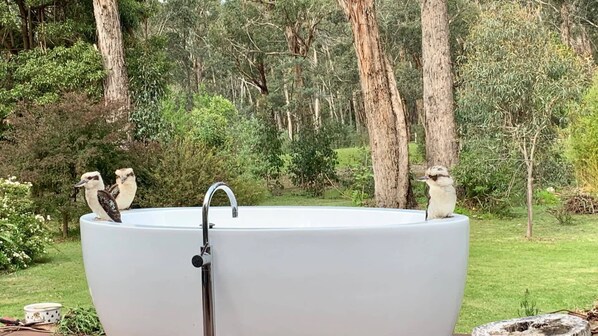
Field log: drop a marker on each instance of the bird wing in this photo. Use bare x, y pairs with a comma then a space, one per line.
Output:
113, 190
108, 203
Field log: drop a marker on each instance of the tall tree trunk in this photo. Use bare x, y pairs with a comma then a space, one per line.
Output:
317, 116
23, 9
441, 139
110, 42
289, 115
384, 108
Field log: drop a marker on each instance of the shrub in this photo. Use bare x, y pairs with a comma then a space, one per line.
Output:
52, 145
358, 178
41, 76
546, 197
313, 161
209, 119
179, 172
23, 236
562, 216
257, 147
343, 135
583, 144
486, 179
81, 321
149, 68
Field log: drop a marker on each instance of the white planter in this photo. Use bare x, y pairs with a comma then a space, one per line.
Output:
43, 312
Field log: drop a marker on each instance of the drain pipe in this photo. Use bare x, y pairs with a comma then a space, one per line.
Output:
204, 259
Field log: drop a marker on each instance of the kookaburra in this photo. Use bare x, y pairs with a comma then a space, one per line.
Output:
442, 196
98, 199
124, 189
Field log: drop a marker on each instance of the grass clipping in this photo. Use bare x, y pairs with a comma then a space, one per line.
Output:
81, 321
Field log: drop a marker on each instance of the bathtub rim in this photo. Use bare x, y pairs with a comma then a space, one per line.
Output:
88, 219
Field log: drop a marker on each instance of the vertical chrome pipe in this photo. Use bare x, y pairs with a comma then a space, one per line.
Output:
204, 259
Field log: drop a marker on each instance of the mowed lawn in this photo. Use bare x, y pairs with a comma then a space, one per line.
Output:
559, 267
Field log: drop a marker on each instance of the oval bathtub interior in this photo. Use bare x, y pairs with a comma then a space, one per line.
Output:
279, 271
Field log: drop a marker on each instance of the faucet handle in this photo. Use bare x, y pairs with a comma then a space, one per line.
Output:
202, 259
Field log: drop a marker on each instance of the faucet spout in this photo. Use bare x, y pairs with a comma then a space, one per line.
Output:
206, 206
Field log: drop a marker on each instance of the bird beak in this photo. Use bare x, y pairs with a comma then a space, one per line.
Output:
423, 178
81, 183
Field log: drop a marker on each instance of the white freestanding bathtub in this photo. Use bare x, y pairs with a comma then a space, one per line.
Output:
278, 271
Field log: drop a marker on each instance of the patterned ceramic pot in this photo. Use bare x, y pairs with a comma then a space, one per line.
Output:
43, 312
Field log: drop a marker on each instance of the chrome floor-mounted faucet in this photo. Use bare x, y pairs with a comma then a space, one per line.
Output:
204, 258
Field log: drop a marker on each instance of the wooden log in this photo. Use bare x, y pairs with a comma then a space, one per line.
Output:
542, 325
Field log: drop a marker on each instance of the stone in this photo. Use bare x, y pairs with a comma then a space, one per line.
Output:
541, 325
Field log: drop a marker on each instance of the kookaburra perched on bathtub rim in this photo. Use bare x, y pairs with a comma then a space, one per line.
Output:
442, 196
98, 199
124, 189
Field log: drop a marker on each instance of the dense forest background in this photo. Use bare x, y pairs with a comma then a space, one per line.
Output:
258, 92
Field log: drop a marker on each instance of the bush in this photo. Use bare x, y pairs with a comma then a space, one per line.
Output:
546, 197
343, 136
52, 145
258, 148
23, 236
149, 68
179, 172
486, 179
81, 321
583, 145
562, 216
358, 178
209, 119
313, 160
41, 76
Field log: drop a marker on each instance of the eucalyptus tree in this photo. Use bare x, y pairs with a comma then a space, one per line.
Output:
110, 43
441, 137
187, 25
577, 22
517, 82
384, 108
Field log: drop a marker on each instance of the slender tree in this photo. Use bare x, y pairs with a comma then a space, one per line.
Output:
384, 109
441, 141
110, 42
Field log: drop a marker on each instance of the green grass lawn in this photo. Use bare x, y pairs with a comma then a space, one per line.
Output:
353, 155
559, 267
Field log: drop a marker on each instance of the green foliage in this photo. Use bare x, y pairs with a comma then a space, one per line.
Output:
583, 143
23, 236
209, 121
344, 135
546, 197
177, 173
562, 215
358, 177
149, 69
257, 147
517, 82
52, 145
40, 76
486, 181
313, 160
527, 306
81, 321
